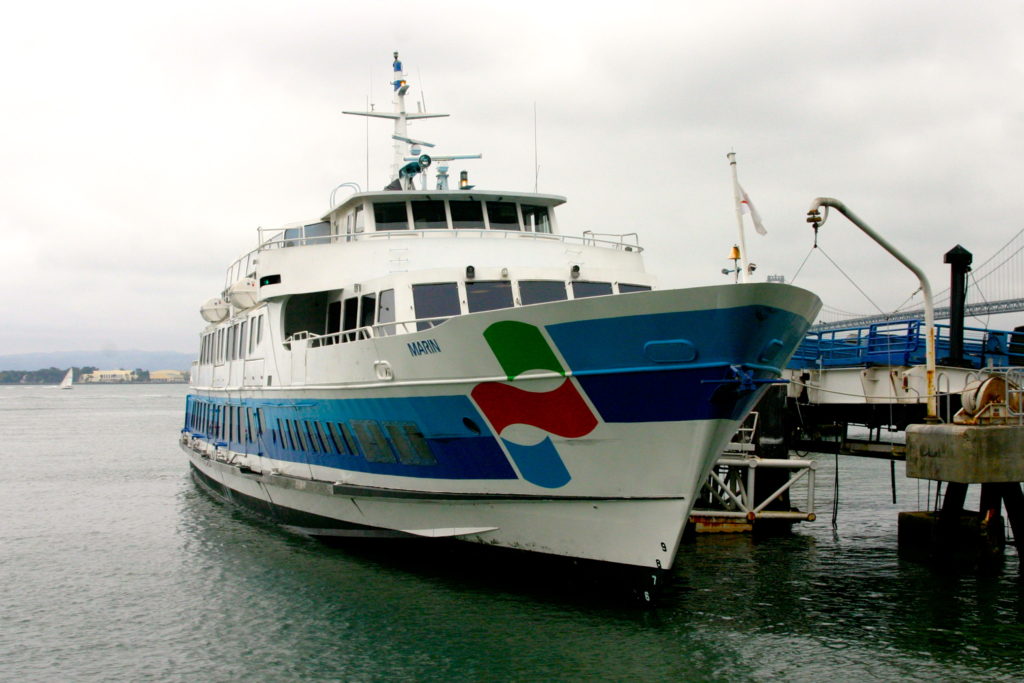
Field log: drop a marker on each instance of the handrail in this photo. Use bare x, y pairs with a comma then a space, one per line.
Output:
896, 343
277, 240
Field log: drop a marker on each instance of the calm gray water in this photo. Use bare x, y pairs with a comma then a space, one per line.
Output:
115, 567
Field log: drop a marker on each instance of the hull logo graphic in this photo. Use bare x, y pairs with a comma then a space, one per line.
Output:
520, 347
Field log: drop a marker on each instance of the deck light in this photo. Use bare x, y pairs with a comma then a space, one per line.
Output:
575, 272
470, 272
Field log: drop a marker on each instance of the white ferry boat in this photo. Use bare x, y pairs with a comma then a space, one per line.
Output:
447, 362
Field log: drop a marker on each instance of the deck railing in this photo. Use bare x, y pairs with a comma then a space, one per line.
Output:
901, 343
299, 236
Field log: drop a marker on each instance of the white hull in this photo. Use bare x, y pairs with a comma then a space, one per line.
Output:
618, 489
644, 532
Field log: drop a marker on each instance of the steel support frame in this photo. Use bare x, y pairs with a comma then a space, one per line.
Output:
737, 493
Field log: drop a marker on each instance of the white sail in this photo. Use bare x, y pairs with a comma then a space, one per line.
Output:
66, 383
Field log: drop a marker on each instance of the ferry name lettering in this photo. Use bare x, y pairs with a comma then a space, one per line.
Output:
422, 347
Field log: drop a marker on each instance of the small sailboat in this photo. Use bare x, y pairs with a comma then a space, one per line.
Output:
67, 382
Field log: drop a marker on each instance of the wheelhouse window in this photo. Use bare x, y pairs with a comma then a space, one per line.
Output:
503, 215
488, 295
390, 216
317, 233
582, 290
626, 289
541, 291
535, 218
429, 215
467, 214
439, 300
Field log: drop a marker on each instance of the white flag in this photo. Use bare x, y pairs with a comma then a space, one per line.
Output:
747, 206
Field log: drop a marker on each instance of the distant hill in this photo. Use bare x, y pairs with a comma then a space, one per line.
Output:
105, 360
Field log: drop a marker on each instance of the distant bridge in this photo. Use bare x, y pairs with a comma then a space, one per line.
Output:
995, 286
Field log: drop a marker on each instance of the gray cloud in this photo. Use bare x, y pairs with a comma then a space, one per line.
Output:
142, 146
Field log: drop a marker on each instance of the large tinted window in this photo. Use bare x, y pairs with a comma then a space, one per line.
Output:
536, 218
467, 214
350, 318
626, 289
483, 295
366, 309
581, 290
503, 215
390, 216
428, 215
435, 301
541, 291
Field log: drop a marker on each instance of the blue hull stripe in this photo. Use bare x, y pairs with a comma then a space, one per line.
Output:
644, 368
652, 368
746, 334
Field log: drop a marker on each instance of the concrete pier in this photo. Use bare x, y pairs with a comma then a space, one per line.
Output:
961, 455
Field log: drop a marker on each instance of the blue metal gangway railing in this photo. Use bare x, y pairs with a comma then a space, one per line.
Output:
903, 343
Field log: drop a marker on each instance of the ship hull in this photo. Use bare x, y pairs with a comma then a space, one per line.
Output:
582, 429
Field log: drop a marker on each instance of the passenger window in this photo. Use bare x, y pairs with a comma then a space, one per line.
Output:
541, 291
366, 310
503, 215
390, 216
467, 214
314, 439
484, 295
339, 444
334, 317
582, 290
409, 442
371, 438
626, 289
350, 317
429, 215
435, 301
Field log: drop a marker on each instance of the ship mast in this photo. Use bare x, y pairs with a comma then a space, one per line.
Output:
401, 117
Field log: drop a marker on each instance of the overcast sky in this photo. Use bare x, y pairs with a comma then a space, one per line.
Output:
141, 145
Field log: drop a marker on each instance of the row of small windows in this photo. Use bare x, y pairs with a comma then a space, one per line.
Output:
233, 342
388, 442
441, 300
434, 214
346, 319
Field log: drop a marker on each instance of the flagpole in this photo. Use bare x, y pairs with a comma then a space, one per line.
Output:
744, 269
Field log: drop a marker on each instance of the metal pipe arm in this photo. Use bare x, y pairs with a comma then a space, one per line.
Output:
815, 218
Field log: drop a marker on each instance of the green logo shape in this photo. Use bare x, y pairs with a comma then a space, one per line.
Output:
520, 347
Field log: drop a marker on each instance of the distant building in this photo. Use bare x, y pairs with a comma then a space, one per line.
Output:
169, 376
108, 376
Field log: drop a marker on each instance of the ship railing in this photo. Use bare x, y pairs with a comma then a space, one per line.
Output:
305, 235
629, 240
315, 340
388, 329
900, 343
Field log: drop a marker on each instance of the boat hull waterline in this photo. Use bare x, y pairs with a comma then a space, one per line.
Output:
581, 428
